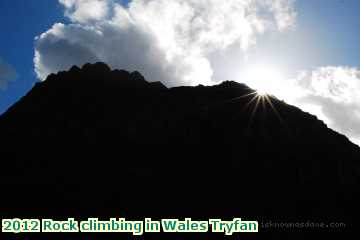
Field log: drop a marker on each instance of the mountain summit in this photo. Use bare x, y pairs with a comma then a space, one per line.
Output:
101, 142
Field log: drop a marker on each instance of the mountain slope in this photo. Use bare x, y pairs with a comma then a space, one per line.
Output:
93, 141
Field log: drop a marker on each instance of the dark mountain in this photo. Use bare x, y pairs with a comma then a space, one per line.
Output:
103, 143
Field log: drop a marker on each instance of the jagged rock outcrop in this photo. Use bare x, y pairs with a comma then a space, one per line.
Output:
96, 141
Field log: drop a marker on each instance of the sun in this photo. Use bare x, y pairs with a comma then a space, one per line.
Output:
266, 80
269, 83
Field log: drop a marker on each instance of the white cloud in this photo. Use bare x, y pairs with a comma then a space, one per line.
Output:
332, 93
7, 74
85, 10
169, 41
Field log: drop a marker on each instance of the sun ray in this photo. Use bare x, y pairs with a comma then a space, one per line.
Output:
255, 97
258, 100
273, 108
242, 96
261, 100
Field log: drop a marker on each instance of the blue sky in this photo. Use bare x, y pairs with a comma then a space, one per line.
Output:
323, 41
326, 33
22, 20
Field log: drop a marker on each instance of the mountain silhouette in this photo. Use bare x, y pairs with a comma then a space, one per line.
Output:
96, 142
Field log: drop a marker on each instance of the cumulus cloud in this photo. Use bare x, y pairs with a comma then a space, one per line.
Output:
7, 74
332, 93
169, 41
85, 10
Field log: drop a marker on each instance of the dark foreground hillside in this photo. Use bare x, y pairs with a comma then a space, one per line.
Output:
93, 142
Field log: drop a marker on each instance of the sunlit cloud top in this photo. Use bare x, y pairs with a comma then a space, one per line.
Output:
333, 92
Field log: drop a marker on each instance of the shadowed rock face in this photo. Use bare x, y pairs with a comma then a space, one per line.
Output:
97, 142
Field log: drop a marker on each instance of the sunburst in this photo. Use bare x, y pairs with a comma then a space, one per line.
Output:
260, 98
